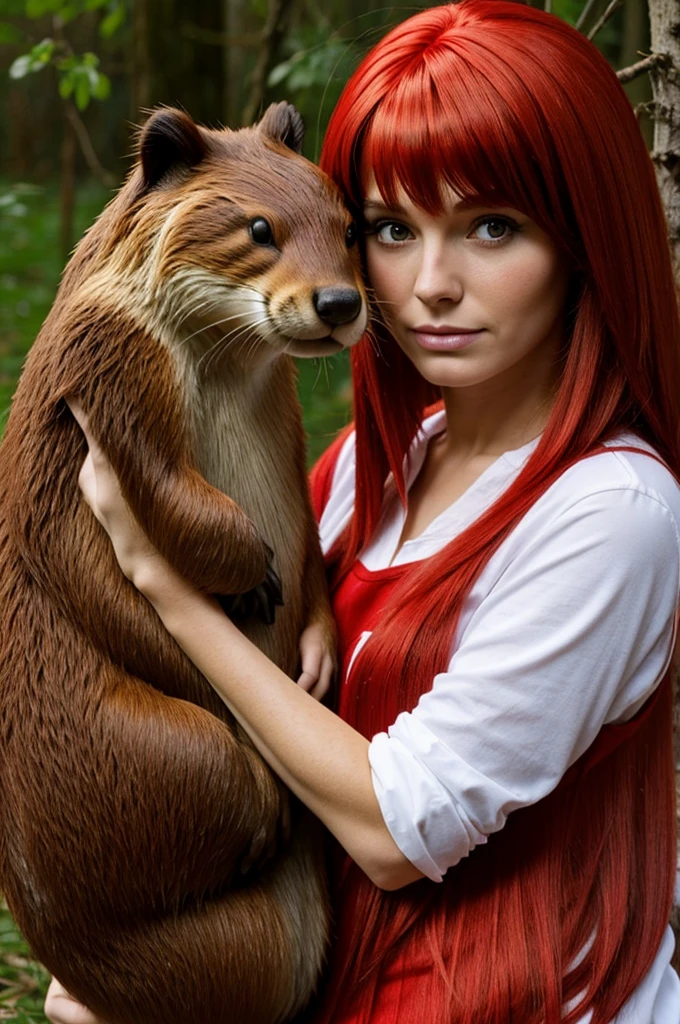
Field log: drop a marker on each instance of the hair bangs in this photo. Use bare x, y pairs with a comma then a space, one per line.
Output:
459, 130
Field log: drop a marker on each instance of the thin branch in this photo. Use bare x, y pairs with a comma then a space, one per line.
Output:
655, 60
270, 43
583, 16
547, 6
87, 149
611, 10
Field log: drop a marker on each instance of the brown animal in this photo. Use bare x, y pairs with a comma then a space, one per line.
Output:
132, 804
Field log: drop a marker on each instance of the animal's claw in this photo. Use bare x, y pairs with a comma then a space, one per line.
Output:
261, 600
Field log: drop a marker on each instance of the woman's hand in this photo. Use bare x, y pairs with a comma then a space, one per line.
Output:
61, 1008
138, 558
317, 660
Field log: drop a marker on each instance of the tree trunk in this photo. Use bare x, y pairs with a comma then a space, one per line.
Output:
176, 57
234, 61
664, 17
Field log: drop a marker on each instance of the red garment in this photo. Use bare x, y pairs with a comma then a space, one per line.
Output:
396, 992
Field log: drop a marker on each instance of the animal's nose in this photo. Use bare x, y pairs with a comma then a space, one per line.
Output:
337, 305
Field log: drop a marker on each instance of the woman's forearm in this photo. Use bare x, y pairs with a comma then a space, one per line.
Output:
317, 755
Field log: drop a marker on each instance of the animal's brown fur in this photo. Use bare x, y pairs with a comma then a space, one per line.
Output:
130, 798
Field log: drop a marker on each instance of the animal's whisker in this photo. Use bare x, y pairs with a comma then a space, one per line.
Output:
231, 337
217, 323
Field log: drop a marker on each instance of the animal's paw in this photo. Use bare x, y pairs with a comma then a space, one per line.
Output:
262, 600
267, 841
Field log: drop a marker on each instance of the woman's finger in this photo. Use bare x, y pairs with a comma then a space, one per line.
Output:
319, 691
311, 656
87, 481
81, 419
61, 1008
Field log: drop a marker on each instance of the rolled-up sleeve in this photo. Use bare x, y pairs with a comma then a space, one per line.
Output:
575, 632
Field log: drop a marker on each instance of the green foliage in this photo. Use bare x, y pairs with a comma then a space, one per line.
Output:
23, 982
568, 10
80, 77
309, 67
318, 62
79, 74
38, 57
10, 35
66, 10
30, 265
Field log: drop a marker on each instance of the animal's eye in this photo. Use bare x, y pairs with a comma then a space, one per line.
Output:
261, 231
351, 235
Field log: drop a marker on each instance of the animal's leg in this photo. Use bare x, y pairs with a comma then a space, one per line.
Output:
136, 412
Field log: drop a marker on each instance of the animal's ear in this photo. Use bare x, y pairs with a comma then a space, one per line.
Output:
169, 139
282, 123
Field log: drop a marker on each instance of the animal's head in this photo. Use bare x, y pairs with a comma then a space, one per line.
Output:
234, 239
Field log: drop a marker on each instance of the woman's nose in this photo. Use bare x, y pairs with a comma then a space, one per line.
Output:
439, 279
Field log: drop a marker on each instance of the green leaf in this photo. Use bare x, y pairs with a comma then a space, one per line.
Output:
279, 73
36, 8
69, 11
66, 85
113, 20
82, 91
10, 34
42, 52
102, 89
38, 58
21, 67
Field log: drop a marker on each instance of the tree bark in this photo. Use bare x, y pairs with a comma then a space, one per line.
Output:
664, 18
170, 65
233, 61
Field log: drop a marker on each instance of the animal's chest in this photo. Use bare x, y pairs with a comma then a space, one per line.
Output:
247, 445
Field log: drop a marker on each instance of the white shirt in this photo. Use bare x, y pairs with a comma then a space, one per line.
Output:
580, 598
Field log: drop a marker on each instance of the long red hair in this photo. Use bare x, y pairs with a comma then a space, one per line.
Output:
507, 102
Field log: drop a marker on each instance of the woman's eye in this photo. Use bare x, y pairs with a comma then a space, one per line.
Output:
494, 229
392, 231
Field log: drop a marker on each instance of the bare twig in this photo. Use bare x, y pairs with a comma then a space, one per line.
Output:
547, 6
610, 11
583, 16
86, 147
654, 60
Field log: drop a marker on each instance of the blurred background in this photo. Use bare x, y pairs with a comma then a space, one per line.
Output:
76, 76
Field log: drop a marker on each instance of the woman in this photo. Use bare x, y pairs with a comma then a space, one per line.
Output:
505, 567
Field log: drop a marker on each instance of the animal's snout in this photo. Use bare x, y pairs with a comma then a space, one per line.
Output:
337, 305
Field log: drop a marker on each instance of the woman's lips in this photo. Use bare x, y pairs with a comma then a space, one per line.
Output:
444, 339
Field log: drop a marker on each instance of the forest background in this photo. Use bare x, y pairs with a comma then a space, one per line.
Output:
76, 76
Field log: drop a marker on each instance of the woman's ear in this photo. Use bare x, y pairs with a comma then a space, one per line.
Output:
282, 123
169, 139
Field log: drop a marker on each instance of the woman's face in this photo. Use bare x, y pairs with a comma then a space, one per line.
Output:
472, 294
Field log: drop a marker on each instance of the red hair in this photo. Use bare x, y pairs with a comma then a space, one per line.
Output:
507, 102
